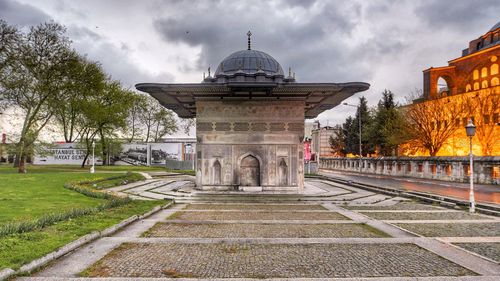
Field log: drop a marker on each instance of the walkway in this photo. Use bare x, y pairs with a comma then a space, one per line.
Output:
352, 234
483, 193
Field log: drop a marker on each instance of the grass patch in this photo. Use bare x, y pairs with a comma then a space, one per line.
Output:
185, 172
19, 249
29, 196
8, 169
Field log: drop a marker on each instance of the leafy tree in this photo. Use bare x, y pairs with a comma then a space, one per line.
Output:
32, 80
104, 115
337, 141
84, 79
134, 129
10, 39
351, 130
351, 138
388, 129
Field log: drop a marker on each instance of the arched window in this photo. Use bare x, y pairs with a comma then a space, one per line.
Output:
484, 72
476, 74
442, 87
468, 88
495, 82
494, 69
484, 84
476, 86
250, 171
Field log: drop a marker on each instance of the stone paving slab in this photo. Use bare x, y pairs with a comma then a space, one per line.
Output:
380, 225
273, 207
268, 261
173, 185
343, 221
231, 230
375, 198
153, 185
408, 211
424, 216
489, 250
181, 215
398, 206
453, 229
453, 254
433, 278
131, 185
328, 188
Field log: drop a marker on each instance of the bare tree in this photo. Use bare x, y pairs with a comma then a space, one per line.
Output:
484, 107
157, 121
431, 122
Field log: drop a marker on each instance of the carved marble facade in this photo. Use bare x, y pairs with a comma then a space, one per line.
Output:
250, 143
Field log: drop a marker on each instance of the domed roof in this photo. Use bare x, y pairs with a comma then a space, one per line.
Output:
495, 26
249, 62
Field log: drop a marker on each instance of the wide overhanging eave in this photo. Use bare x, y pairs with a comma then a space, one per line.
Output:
318, 97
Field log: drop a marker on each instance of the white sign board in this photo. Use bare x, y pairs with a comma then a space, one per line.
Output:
64, 154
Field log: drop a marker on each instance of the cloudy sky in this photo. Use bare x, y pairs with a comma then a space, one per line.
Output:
385, 43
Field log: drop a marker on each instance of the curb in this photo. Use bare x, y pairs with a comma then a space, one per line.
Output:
35, 264
6, 273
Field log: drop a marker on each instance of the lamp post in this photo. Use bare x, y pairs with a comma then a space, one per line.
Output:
359, 125
470, 129
92, 169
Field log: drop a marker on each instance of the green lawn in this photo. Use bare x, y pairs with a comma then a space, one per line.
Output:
25, 197
76, 168
19, 249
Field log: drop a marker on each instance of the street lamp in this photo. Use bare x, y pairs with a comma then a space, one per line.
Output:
92, 169
359, 125
470, 129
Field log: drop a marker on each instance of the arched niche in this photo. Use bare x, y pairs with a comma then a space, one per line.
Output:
250, 171
217, 172
282, 173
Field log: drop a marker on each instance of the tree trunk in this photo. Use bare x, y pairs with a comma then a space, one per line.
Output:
22, 165
85, 160
104, 149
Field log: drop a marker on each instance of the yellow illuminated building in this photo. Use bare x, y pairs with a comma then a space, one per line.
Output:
468, 88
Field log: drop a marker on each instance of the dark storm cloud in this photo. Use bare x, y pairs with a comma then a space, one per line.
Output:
21, 14
459, 15
305, 44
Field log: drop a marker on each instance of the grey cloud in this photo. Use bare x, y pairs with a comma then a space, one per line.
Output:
303, 44
115, 61
21, 14
460, 15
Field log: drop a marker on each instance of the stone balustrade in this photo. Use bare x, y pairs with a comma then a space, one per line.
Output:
486, 169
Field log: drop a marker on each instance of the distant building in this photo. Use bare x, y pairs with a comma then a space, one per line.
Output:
321, 141
473, 80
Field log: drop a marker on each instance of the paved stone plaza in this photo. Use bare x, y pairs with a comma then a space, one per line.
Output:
331, 231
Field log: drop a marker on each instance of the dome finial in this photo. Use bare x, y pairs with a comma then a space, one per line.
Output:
249, 34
